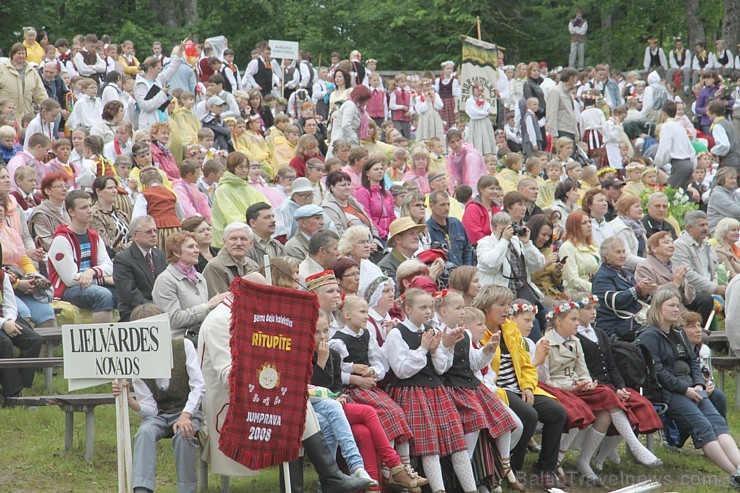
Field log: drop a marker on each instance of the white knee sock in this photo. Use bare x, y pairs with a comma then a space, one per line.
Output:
588, 448
403, 452
464, 471
565, 440
622, 424
433, 472
503, 443
608, 445
471, 440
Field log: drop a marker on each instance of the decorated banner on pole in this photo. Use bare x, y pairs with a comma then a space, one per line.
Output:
272, 345
479, 66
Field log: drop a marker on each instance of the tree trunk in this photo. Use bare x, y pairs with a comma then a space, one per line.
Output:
191, 11
607, 21
731, 24
696, 24
168, 12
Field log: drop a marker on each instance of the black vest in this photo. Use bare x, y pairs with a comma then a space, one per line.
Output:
703, 60
426, 377
460, 374
91, 59
724, 60
445, 90
263, 77
680, 59
173, 400
358, 347
227, 83
655, 59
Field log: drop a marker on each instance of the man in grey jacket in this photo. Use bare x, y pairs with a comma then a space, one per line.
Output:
693, 251
561, 115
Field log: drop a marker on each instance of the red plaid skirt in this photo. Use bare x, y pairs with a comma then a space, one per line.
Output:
578, 414
594, 140
448, 112
434, 421
480, 409
390, 414
640, 413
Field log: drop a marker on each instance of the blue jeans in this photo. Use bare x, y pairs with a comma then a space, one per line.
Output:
701, 420
719, 399
38, 312
335, 427
95, 298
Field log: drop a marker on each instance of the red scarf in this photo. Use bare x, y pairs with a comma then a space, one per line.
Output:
272, 335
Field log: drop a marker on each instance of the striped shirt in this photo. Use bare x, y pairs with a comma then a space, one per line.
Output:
506, 375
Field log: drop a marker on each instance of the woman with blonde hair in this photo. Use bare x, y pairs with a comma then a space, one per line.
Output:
306, 148
356, 243
284, 272
727, 234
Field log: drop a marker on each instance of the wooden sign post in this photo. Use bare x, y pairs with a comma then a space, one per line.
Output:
100, 353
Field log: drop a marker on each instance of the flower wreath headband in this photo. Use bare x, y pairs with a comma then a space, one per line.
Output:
572, 305
523, 308
588, 300
603, 171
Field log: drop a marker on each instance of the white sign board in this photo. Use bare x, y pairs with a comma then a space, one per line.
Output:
284, 49
140, 349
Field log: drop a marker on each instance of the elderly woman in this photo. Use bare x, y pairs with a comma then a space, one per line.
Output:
341, 207
727, 234
233, 196
204, 236
20, 82
508, 259
596, 205
22, 274
659, 269
232, 260
51, 212
628, 226
465, 280
723, 198
549, 279
110, 222
620, 295
150, 88
357, 244
683, 388
517, 384
180, 290
579, 254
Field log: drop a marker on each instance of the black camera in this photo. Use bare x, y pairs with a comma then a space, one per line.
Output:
519, 230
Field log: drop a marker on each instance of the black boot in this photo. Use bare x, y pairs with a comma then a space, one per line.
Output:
295, 469
331, 478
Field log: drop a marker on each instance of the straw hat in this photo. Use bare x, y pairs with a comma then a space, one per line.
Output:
401, 225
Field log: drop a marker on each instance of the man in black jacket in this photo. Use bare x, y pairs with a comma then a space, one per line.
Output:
136, 268
55, 89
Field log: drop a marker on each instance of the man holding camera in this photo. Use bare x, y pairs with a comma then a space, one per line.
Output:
448, 231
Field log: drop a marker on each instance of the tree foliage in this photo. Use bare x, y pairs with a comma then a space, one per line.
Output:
410, 34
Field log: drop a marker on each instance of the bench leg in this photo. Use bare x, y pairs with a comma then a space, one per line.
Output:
49, 372
69, 429
651, 441
225, 484
89, 435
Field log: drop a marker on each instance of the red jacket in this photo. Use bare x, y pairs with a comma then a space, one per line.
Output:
477, 220
64, 231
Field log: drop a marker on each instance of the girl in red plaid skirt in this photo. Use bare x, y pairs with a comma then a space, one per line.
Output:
603, 369
478, 407
565, 368
363, 365
418, 356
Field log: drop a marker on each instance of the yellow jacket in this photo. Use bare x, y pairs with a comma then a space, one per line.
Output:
508, 179
281, 148
35, 53
256, 149
185, 126
547, 194
526, 374
130, 69
632, 188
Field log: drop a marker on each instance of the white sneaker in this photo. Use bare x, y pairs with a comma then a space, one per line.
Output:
361, 473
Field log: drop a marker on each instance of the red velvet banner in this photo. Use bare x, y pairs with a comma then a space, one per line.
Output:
272, 343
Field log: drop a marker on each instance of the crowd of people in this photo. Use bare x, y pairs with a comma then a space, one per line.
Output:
473, 259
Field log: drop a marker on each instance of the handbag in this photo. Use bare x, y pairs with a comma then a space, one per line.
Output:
640, 317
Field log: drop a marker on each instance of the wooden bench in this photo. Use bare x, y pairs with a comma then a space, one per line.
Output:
51, 336
727, 363
70, 404
31, 363
718, 340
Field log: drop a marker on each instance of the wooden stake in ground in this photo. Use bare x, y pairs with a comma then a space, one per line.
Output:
123, 431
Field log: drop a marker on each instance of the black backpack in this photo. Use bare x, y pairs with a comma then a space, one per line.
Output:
635, 363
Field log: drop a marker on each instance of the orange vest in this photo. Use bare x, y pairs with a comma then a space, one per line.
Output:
160, 204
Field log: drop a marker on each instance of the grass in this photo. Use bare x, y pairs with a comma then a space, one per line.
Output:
34, 459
